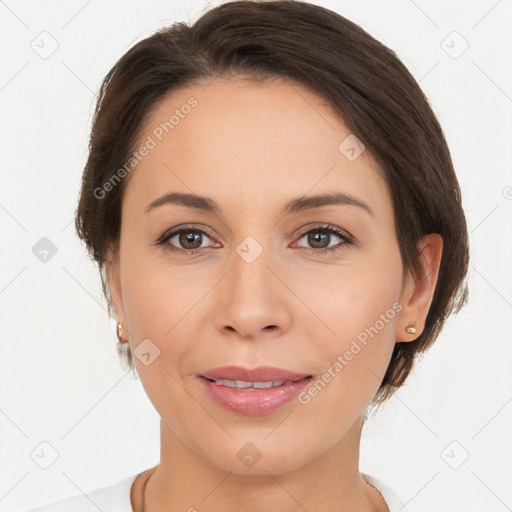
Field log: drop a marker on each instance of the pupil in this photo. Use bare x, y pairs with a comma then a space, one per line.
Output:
314, 238
189, 238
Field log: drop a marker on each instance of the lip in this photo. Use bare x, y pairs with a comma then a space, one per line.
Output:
254, 402
259, 374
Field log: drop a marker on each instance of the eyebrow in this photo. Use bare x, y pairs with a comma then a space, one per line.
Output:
293, 206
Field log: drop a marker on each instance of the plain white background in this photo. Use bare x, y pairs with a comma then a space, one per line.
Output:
442, 443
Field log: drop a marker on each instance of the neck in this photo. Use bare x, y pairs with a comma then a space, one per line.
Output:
183, 480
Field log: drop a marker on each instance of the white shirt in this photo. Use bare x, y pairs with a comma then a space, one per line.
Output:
116, 498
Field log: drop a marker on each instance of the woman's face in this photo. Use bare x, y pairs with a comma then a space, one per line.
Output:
241, 286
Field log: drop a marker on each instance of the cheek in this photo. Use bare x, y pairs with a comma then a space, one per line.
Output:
350, 313
143, 300
155, 293
360, 308
160, 308
167, 306
355, 362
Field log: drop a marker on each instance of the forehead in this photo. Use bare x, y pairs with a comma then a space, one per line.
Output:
233, 139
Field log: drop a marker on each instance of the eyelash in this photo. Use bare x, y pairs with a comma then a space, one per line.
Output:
323, 228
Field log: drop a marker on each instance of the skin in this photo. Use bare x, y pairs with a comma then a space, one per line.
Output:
252, 147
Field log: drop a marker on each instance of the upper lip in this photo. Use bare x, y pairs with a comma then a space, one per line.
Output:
259, 374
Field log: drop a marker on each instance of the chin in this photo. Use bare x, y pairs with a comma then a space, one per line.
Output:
250, 459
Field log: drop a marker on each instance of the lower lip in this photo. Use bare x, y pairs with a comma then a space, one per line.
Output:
254, 402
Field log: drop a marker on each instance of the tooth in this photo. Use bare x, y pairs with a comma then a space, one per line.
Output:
226, 382
243, 384
262, 385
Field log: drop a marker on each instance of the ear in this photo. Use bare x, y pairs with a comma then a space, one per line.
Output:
418, 293
112, 272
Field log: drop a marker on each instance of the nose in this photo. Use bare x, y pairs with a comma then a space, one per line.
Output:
253, 303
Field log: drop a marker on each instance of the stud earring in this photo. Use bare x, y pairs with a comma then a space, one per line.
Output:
410, 327
119, 330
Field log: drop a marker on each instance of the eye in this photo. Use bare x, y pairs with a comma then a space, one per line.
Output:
190, 240
185, 239
321, 236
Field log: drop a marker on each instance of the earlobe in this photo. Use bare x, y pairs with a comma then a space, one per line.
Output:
411, 327
419, 292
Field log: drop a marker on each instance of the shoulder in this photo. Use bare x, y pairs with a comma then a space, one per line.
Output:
114, 498
394, 503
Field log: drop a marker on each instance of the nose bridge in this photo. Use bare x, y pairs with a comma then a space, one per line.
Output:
253, 298
250, 277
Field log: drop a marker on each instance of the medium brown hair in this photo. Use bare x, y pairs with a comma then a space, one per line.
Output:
363, 81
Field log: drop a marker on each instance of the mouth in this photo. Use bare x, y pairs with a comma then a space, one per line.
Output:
253, 392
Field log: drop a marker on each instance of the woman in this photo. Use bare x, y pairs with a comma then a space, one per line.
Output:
278, 226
